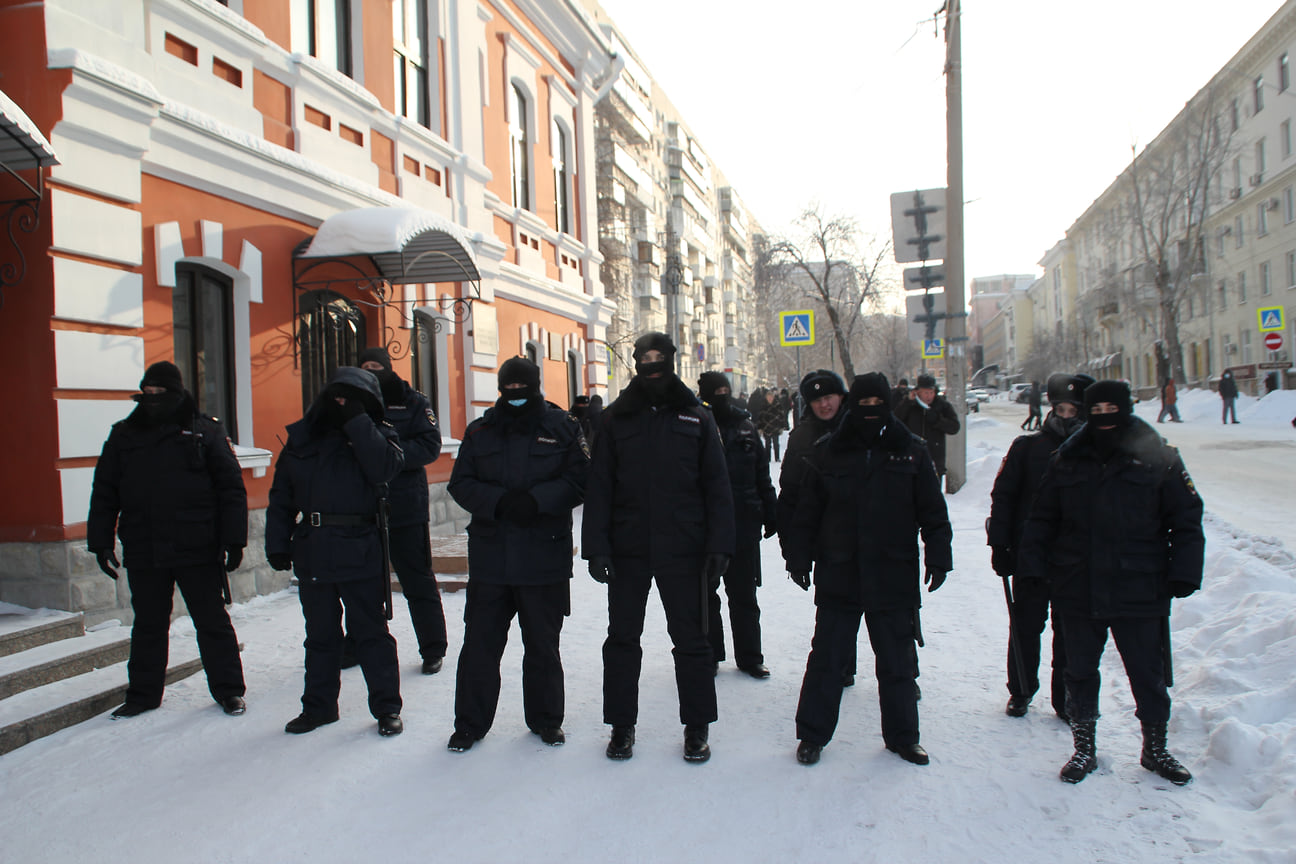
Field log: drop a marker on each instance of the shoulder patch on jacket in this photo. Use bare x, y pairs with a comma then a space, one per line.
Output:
690, 418
1189, 483
541, 439
431, 417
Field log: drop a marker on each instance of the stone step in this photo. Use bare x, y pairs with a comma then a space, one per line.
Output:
44, 710
55, 661
22, 628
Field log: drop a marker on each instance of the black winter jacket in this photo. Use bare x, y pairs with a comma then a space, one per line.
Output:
334, 473
543, 452
1109, 538
749, 477
658, 486
420, 439
931, 424
173, 492
859, 514
1019, 476
792, 473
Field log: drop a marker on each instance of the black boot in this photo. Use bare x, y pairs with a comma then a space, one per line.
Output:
1084, 760
621, 744
807, 753
1017, 706
1156, 758
696, 748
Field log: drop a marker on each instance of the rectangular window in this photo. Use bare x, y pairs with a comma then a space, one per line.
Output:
1284, 138
323, 29
1257, 94
1289, 205
1237, 176
1246, 346
410, 59
1241, 292
1260, 158
1237, 232
560, 180
1262, 218
1284, 73
519, 150
1266, 283
202, 336
1233, 116
1291, 269
1222, 291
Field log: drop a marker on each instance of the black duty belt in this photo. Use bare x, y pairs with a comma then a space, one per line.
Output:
350, 520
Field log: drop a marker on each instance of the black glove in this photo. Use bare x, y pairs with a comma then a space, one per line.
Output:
517, 505
801, 578
935, 577
233, 558
1182, 589
771, 529
714, 567
1003, 560
600, 567
107, 557
280, 560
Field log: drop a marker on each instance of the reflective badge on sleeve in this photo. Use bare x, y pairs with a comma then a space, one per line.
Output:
1188, 482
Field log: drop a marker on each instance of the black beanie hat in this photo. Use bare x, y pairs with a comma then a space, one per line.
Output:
869, 384
163, 374
821, 382
926, 381
378, 355
1067, 388
654, 341
1115, 392
519, 370
710, 382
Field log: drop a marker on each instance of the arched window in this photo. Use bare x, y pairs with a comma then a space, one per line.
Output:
331, 331
573, 377
427, 375
202, 335
519, 150
561, 218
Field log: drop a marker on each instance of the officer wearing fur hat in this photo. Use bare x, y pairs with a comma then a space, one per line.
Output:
929, 416
754, 506
870, 490
520, 470
410, 414
822, 392
321, 523
658, 508
1115, 530
1010, 502
169, 484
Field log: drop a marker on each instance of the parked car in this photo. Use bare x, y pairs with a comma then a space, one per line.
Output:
975, 397
1019, 392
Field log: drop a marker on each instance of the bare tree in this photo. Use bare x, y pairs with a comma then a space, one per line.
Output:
824, 266
1169, 195
887, 346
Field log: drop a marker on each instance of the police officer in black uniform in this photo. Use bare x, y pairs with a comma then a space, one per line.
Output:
331, 472
870, 489
520, 470
410, 414
1010, 502
658, 508
1116, 532
754, 506
169, 484
930, 416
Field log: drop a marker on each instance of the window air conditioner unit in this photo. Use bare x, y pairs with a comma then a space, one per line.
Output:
1257, 179
1235, 192
1273, 203
1230, 348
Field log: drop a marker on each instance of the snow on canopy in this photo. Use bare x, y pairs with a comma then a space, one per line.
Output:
408, 245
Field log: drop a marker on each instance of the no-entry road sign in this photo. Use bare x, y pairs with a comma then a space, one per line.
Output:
1273, 341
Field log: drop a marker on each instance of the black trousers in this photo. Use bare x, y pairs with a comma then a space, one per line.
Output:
891, 633
1139, 643
151, 599
1030, 614
323, 604
411, 558
680, 589
740, 582
488, 614
772, 445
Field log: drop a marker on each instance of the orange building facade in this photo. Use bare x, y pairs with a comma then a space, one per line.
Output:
204, 151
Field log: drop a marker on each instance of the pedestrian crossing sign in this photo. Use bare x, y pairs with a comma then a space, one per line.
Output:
933, 349
1271, 318
796, 328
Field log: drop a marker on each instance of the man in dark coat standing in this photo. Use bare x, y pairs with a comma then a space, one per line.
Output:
822, 392
658, 509
1010, 502
870, 490
331, 474
1116, 531
931, 417
1034, 401
1228, 395
520, 470
169, 484
754, 506
410, 414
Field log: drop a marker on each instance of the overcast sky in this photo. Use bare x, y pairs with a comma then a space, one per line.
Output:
843, 103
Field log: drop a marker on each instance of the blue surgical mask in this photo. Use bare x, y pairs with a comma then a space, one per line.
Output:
517, 403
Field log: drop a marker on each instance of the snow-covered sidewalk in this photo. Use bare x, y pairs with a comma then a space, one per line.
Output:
188, 783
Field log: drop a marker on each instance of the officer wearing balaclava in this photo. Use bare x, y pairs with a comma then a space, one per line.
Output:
658, 508
870, 490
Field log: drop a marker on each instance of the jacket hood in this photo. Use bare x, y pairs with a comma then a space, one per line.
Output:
352, 376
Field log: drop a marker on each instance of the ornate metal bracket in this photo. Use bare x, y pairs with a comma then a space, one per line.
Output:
23, 214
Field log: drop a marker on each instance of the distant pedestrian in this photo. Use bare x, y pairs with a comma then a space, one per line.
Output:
931, 417
1228, 395
899, 393
1034, 402
772, 423
169, 484
1169, 398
